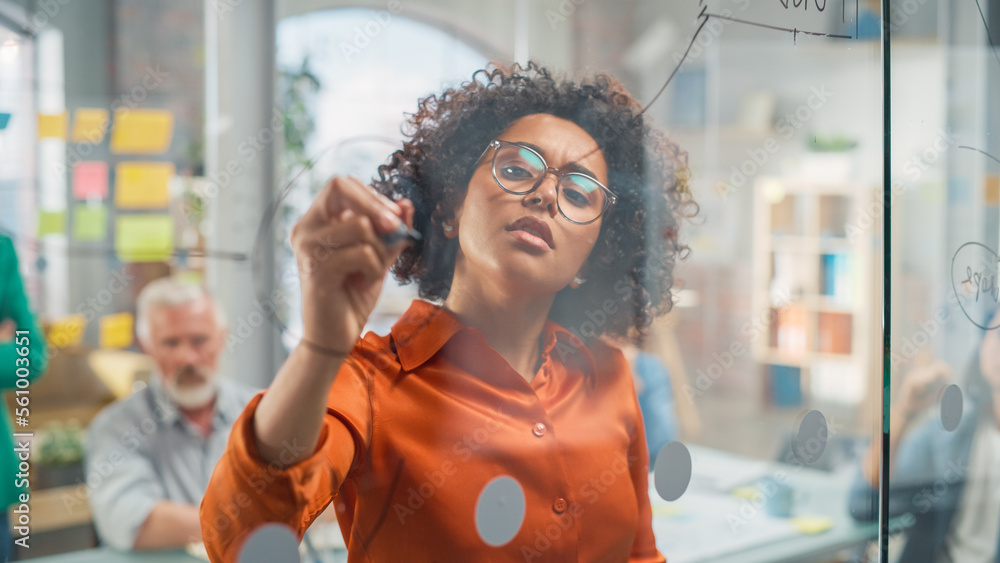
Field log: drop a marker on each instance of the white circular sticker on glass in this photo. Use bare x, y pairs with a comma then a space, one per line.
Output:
672, 471
500, 510
809, 442
951, 407
270, 543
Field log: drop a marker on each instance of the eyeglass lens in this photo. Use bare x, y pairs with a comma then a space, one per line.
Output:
519, 170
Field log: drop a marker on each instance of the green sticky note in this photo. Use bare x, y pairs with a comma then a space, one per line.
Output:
51, 223
144, 237
90, 222
192, 277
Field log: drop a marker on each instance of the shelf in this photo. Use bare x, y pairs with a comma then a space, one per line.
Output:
826, 304
50, 511
833, 245
809, 185
800, 245
815, 303
795, 243
774, 356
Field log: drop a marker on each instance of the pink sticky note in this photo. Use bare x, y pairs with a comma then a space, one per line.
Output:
90, 179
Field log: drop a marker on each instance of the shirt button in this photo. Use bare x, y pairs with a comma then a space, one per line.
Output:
539, 429
559, 505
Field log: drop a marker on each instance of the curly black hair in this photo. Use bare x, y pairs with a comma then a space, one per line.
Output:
630, 270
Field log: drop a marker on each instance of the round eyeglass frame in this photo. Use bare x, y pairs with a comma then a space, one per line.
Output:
497, 144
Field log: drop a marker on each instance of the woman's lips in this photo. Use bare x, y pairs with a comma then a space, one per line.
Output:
530, 239
534, 230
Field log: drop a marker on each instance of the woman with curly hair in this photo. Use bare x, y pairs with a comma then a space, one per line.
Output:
492, 423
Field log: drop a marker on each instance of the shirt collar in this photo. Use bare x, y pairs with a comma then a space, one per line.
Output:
425, 328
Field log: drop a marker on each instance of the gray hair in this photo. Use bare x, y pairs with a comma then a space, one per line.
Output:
170, 292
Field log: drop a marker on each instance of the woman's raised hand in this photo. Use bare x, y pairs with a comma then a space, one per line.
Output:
921, 387
342, 260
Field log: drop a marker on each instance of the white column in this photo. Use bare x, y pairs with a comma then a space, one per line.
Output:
239, 160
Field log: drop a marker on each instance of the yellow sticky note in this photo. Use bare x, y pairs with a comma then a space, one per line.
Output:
192, 277
89, 125
51, 222
144, 238
67, 331
668, 510
90, 222
142, 131
143, 185
116, 330
811, 524
52, 125
748, 492
991, 190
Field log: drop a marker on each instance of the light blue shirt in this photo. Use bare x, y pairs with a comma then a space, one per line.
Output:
656, 401
140, 451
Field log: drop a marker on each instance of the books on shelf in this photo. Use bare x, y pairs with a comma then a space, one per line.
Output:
834, 333
790, 329
835, 277
786, 386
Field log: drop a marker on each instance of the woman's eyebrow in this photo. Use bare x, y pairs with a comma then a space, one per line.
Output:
571, 166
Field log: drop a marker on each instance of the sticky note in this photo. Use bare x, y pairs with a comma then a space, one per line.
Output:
143, 185
748, 493
144, 238
668, 510
192, 277
89, 125
67, 331
4, 120
141, 131
90, 222
811, 524
52, 125
116, 330
90, 179
51, 222
991, 189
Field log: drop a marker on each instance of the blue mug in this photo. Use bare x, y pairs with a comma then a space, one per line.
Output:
779, 497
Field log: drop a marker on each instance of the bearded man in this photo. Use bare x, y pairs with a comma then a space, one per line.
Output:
149, 457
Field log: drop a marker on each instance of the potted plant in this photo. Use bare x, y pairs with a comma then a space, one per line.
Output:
59, 456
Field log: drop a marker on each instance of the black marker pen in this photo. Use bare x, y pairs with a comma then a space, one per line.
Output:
402, 233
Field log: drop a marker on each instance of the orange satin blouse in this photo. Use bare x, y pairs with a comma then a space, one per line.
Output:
436, 414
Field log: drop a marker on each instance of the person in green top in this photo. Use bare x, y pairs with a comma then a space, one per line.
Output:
17, 349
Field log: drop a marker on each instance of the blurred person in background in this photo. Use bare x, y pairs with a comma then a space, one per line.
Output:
944, 482
656, 396
23, 355
151, 454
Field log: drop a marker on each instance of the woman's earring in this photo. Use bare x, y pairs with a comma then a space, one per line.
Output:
447, 227
578, 280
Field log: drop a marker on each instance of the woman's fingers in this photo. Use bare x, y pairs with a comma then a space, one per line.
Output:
408, 211
350, 231
921, 386
364, 259
343, 198
349, 193
353, 230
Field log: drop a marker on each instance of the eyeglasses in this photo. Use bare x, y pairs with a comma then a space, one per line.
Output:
519, 170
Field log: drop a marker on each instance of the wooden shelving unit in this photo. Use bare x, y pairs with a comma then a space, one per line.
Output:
811, 290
